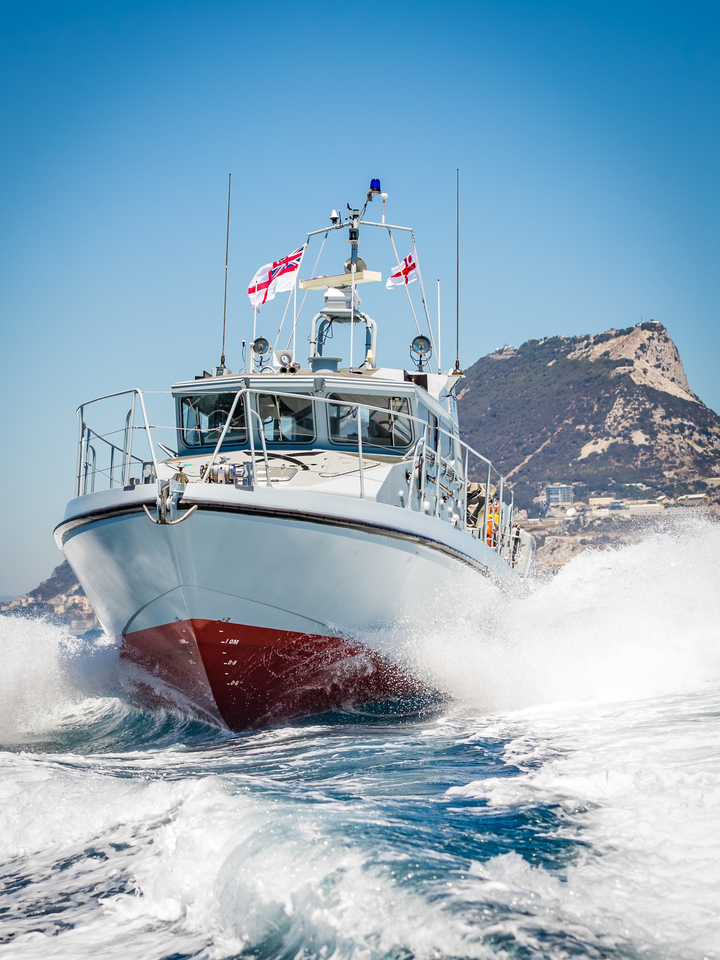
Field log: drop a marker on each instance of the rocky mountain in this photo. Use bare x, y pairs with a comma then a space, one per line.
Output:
614, 412
61, 582
59, 598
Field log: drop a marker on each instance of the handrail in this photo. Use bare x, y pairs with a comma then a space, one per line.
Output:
80, 448
120, 393
102, 438
465, 490
437, 485
125, 468
126, 450
130, 440
360, 451
224, 431
415, 461
264, 447
124, 393
86, 433
366, 406
86, 465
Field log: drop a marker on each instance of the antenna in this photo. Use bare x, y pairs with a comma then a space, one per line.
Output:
457, 272
227, 247
439, 345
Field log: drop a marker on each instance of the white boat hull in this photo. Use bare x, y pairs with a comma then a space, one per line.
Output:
251, 608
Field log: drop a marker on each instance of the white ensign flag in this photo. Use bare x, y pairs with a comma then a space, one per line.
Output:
276, 277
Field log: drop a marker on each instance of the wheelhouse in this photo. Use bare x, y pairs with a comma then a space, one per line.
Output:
310, 413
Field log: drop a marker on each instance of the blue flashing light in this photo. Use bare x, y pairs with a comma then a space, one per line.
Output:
375, 186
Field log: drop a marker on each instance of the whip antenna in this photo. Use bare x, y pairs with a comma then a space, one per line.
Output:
439, 345
227, 247
457, 272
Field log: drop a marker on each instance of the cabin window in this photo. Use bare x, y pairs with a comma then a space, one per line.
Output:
432, 422
445, 440
382, 428
286, 419
203, 417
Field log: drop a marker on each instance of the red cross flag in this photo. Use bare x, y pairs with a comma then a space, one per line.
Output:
404, 274
275, 277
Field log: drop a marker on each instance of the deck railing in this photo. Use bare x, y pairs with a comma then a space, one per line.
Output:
120, 459
496, 526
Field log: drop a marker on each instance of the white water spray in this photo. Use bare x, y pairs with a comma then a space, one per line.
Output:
47, 673
616, 624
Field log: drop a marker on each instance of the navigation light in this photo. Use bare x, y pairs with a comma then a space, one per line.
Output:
421, 346
260, 346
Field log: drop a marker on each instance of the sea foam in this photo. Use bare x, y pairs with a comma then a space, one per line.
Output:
564, 804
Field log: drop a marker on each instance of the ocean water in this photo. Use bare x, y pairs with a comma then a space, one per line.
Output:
562, 802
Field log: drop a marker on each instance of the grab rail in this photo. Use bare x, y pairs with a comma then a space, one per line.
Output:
254, 413
361, 465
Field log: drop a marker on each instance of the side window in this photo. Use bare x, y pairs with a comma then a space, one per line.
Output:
286, 419
445, 440
383, 428
203, 417
432, 422
458, 454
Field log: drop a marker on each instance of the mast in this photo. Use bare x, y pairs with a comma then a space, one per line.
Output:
439, 343
354, 234
227, 247
457, 272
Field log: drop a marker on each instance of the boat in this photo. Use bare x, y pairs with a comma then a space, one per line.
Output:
250, 562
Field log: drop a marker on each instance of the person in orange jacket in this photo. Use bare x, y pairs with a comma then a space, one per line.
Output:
493, 523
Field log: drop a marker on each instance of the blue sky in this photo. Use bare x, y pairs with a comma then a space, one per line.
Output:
586, 134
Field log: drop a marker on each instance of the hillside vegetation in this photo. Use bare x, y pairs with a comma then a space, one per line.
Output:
606, 411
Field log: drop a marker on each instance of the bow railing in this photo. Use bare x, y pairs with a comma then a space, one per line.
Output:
119, 459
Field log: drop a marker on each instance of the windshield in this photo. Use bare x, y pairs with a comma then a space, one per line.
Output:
286, 419
379, 428
203, 417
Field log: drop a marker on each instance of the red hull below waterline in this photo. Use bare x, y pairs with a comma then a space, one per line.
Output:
248, 677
